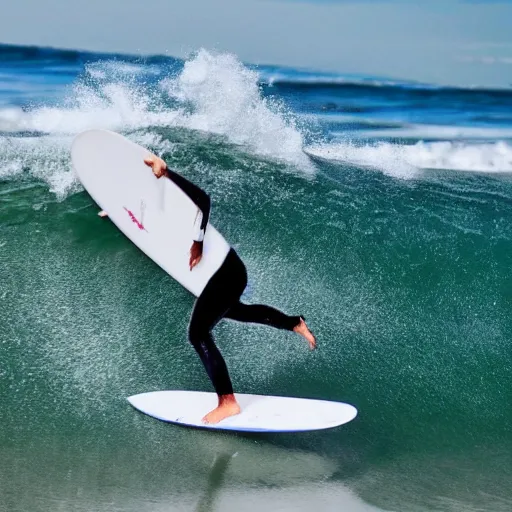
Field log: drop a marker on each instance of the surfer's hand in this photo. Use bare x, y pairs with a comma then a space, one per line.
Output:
196, 253
158, 166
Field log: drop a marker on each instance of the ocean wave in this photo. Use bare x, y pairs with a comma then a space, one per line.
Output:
292, 77
216, 93
404, 161
266, 75
16, 53
311, 80
213, 92
22, 54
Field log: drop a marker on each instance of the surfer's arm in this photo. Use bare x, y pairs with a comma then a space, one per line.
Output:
197, 195
200, 198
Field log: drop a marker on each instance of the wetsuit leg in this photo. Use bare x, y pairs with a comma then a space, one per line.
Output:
222, 291
260, 314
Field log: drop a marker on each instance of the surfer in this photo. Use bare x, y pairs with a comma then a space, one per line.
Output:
221, 299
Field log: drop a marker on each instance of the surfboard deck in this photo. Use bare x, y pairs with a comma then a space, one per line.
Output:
155, 214
260, 413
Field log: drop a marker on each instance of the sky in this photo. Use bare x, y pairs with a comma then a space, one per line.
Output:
456, 42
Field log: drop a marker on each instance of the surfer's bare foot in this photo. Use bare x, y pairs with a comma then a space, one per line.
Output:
103, 214
228, 406
158, 166
304, 331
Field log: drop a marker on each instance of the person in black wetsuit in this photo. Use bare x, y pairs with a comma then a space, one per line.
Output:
221, 299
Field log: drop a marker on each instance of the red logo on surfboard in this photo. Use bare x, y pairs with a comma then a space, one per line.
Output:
135, 220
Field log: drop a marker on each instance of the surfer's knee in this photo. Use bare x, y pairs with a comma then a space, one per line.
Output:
197, 334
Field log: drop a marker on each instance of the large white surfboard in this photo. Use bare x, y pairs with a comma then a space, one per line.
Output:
155, 214
259, 413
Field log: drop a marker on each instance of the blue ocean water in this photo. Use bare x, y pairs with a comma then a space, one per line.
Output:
378, 208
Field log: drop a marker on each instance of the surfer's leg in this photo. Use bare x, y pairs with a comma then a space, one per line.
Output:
266, 315
234, 272
205, 316
261, 314
223, 289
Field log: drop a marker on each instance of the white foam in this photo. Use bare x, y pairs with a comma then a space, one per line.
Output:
406, 160
105, 69
115, 106
46, 159
11, 119
225, 98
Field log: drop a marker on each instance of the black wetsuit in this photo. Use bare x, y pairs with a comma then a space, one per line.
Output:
221, 299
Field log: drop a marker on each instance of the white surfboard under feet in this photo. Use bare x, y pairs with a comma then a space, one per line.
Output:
259, 413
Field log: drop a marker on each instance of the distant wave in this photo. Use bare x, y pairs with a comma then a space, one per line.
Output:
27, 54
370, 84
429, 132
310, 78
269, 76
291, 78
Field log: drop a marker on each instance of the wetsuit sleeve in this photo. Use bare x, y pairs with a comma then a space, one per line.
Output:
200, 198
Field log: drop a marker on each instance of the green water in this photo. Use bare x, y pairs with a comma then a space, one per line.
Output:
407, 285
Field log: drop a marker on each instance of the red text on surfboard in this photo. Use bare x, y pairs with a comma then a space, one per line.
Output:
134, 219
